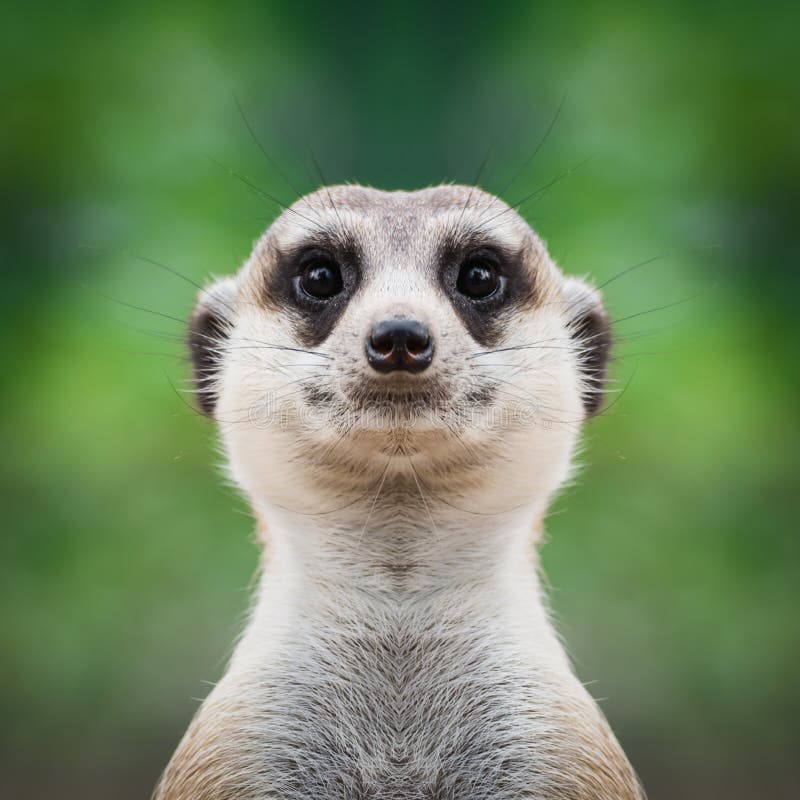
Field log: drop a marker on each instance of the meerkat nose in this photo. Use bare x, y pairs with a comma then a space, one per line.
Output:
399, 344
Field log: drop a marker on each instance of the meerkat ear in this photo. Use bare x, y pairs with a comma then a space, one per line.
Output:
590, 327
209, 327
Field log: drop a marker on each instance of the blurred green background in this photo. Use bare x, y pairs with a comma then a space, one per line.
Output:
126, 564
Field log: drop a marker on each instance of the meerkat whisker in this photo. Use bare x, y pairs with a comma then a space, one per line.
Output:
263, 149
539, 145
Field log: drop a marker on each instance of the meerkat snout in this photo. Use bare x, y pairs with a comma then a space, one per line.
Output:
400, 344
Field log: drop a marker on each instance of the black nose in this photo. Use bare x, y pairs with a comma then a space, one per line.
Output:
400, 344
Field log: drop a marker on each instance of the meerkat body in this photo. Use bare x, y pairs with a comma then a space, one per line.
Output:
399, 380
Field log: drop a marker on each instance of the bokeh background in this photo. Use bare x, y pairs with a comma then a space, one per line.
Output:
126, 563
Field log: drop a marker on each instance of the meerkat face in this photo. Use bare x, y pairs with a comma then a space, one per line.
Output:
371, 329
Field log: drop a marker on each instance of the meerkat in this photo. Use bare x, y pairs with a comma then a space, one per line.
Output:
399, 380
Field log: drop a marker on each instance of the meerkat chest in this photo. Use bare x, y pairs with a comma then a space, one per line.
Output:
395, 714
406, 709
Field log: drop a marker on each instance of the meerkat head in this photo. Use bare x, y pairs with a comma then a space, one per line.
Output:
373, 334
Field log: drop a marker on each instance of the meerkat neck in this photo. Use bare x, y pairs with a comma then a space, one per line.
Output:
427, 543
399, 573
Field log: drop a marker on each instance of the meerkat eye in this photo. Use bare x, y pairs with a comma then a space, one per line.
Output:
321, 279
477, 279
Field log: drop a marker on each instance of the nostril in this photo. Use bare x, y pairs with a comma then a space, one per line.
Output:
381, 342
418, 343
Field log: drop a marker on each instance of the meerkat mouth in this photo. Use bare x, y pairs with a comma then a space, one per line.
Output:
410, 394
406, 411
400, 404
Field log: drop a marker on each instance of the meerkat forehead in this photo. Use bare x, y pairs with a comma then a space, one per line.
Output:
400, 218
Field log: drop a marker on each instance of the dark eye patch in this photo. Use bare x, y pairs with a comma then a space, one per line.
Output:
484, 317
314, 317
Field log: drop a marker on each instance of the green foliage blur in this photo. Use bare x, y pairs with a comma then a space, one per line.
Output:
125, 560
